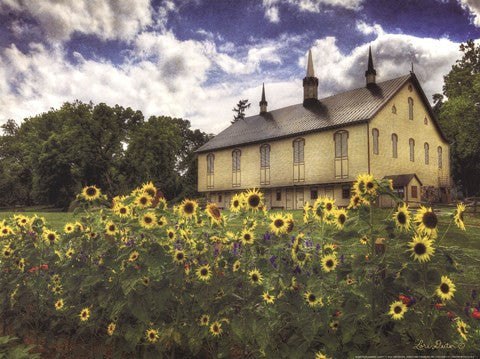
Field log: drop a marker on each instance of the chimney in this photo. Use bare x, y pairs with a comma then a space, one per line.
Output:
310, 82
263, 103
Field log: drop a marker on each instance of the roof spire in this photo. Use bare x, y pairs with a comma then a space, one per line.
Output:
370, 73
310, 82
412, 67
263, 102
310, 72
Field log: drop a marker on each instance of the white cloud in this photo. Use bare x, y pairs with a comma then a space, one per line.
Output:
272, 12
107, 19
367, 29
473, 7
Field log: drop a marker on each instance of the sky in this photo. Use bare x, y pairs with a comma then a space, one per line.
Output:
195, 59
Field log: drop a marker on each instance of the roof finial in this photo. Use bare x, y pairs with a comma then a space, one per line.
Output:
412, 67
370, 73
370, 60
263, 102
310, 72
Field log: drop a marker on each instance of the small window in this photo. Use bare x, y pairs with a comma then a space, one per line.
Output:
375, 134
425, 121
298, 150
346, 192
414, 192
313, 194
279, 195
440, 157
410, 108
411, 142
394, 145
220, 198
427, 154
394, 110
399, 191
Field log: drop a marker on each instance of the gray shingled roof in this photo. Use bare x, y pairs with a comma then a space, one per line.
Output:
403, 180
354, 106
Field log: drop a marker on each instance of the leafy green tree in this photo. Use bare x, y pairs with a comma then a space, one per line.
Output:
242, 105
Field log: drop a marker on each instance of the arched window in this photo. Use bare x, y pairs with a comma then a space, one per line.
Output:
440, 157
341, 154
236, 155
210, 169
394, 110
394, 145
427, 155
375, 134
425, 120
410, 108
298, 160
411, 142
265, 164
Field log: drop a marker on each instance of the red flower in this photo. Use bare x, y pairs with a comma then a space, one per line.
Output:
476, 313
45, 266
439, 305
404, 299
33, 269
451, 314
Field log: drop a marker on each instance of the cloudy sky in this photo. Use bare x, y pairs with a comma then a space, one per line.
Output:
196, 58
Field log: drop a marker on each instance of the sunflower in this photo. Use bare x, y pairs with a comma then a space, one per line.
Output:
150, 189
334, 325
5, 231
216, 328
152, 335
458, 217
306, 212
69, 228
21, 264
145, 281
300, 258
148, 220
91, 193
446, 289
7, 251
427, 221
364, 240
111, 228
204, 320
133, 256
204, 273
320, 355
55, 278
59, 304
143, 200
329, 263
214, 213
162, 221
171, 234
236, 266
311, 299
330, 247
179, 256
402, 217
122, 210
279, 224
57, 289
340, 218
236, 203
290, 222
22, 221
421, 248
462, 329
365, 184
188, 208
268, 298
69, 253
255, 276
355, 202
329, 205
111, 328
247, 237
253, 199
397, 310
49, 236
84, 314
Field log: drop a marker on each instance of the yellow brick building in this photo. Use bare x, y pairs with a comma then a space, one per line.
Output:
316, 148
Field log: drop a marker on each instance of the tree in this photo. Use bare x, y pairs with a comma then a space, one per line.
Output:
242, 105
459, 115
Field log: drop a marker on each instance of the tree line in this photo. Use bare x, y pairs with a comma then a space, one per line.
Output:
48, 158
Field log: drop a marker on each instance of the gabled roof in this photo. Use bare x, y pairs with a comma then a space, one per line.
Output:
343, 109
403, 180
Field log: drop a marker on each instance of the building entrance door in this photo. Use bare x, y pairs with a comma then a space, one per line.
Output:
289, 198
299, 194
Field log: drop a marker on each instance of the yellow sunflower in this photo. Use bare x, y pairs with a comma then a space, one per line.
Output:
49, 236
247, 237
152, 335
7, 251
427, 221
236, 203
268, 298
148, 220
250, 223
355, 202
462, 329
204, 273
255, 276
111, 328
133, 256
143, 200
69, 253
421, 248
122, 210
306, 212
5, 231
145, 281
216, 328
253, 199
279, 224
84, 314
402, 217
397, 310
446, 289
111, 228
162, 221
329, 263
214, 213
21, 220
340, 218
320, 355
21, 264
312, 299
188, 208
150, 189
334, 325
458, 217
171, 234
365, 184
69, 228
364, 240
59, 304
204, 320
91, 193
236, 266
179, 256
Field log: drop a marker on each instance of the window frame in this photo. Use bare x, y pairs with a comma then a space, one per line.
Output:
341, 153
410, 108
426, 147
210, 170
394, 145
236, 167
298, 152
375, 139
411, 144
265, 150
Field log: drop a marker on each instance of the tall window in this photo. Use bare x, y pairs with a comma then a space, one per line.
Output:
375, 134
265, 164
440, 157
410, 108
411, 142
298, 160
394, 110
427, 155
236, 154
341, 154
394, 145
210, 169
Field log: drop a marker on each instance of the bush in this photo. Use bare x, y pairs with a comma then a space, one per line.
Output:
134, 278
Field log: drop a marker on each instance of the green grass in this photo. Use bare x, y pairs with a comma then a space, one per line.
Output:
55, 220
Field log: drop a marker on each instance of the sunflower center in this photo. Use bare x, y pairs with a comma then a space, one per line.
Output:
152, 335
188, 208
462, 329
445, 288
356, 199
236, 203
328, 206
342, 218
150, 191
170, 234
247, 236
179, 256
215, 328
254, 200
148, 220
397, 309
215, 212
204, 272
301, 256
278, 223
255, 277
420, 249
312, 298
51, 237
91, 191
369, 185
123, 210
143, 200
401, 218
430, 220
329, 263
111, 228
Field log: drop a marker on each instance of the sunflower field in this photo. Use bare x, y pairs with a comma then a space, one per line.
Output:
133, 277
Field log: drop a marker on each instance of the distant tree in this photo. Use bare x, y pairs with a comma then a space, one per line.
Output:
459, 114
242, 105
